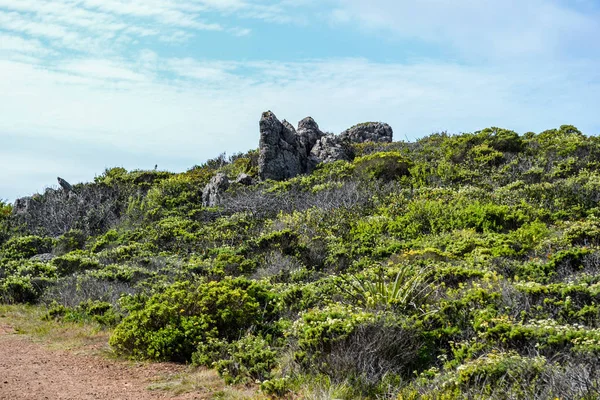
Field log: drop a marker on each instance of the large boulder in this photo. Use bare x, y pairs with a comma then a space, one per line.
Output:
329, 149
368, 132
212, 193
282, 155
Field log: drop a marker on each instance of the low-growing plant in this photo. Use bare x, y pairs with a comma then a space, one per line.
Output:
171, 324
406, 290
248, 360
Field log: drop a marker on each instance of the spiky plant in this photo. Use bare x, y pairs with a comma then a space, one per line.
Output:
408, 289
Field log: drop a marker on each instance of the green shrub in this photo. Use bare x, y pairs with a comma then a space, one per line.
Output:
73, 262
106, 240
384, 166
171, 324
18, 289
70, 241
249, 359
317, 331
23, 247
277, 387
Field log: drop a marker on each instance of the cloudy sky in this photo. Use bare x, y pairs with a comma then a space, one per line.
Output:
91, 84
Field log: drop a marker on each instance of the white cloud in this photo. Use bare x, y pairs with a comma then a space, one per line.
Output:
94, 26
101, 69
18, 44
478, 28
121, 104
145, 107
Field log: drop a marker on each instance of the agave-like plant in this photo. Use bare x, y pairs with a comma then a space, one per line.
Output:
407, 290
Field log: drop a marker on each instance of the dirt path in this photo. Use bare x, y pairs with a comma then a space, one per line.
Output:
29, 370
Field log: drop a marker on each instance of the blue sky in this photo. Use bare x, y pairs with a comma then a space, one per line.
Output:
91, 84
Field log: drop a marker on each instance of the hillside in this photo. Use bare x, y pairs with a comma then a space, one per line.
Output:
340, 266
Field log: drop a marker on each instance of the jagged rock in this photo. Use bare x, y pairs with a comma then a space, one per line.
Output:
282, 155
368, 132
64, 184
244, 179
45, 257
329, 149
21, 205
309, 133
286, 152
211, 195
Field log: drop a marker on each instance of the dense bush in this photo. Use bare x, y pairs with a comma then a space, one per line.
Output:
458, 266
170, 325
24, 247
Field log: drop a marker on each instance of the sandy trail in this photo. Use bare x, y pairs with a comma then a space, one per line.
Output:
31, 371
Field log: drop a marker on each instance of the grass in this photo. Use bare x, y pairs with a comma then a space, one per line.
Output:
86, 338
205, 381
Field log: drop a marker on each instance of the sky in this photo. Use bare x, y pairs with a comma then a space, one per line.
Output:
87, 85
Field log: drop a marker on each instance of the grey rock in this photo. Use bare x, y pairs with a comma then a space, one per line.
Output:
281, 155
285, 152
368, 132
212, 193
309, 133
67, 187
22, 205
329, 149
244, 179
45, 257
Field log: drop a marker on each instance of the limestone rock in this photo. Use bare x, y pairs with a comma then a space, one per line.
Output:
281, 153
212, 193
309, 133
285, 152
64, 184
22, 205
329, 149
368, 132
244, 179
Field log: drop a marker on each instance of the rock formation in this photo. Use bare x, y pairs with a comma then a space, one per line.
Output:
211, 195
64, 184
21, 205
282, 155
286, 152
329, 149
368, 132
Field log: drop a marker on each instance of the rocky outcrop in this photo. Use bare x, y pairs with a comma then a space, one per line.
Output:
368, 132
281, 155
329, 149
21, 205
211, 195
309, 134
67, 187
286, 152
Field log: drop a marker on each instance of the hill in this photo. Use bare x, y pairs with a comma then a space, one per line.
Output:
347, 266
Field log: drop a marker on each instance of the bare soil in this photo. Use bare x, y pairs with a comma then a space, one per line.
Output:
30, 370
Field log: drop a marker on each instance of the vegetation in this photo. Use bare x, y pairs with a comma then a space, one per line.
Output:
462, 266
